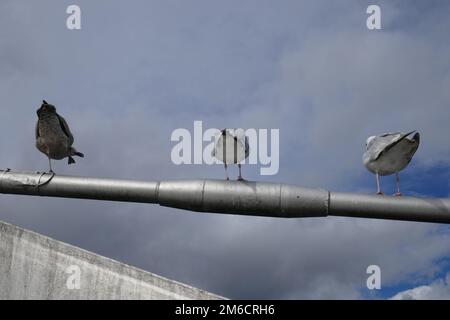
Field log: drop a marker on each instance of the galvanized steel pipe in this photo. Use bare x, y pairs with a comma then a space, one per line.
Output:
232, 197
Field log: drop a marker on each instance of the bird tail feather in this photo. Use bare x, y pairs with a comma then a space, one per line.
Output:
74, 152
393, 144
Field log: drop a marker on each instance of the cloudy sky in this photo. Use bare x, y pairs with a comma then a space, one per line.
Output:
137, 70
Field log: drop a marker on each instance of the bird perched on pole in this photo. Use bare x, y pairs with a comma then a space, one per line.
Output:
53, 136
231, 146
390, 153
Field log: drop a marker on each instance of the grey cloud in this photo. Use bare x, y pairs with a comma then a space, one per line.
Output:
134, 73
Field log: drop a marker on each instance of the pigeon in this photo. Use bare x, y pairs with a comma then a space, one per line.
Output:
390, 153
53, 136
231, 146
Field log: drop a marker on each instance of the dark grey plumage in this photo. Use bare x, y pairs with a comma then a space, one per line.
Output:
53, 136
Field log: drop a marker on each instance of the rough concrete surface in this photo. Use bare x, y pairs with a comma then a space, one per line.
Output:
33, 266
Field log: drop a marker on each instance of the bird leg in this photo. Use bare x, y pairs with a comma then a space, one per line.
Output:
240, 175
397, 182
50, 164
226, 173
377, 176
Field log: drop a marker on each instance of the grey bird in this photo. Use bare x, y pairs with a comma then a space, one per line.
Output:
390, 153
53, 136
231, 147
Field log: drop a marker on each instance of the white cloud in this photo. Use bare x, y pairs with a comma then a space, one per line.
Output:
437, 290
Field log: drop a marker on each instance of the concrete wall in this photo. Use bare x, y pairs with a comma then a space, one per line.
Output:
36, 267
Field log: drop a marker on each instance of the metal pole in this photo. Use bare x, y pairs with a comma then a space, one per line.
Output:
232, 197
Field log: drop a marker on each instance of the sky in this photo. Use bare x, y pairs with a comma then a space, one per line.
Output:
137, 70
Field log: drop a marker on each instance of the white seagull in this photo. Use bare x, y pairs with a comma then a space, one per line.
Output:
390, 153
231, 146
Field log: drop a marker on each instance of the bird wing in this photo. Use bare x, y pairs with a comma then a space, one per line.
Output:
243, 148
385, 142
247, 147
37, 130
219, 147
65, 128
243, 142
